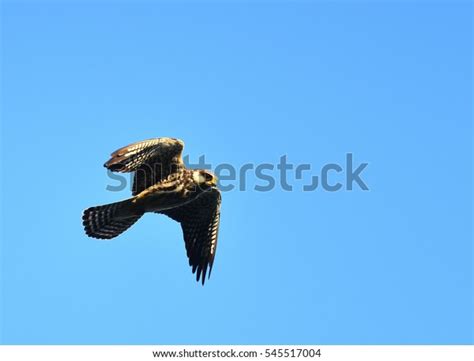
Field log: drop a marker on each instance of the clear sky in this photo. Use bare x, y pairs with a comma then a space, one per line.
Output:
241, 83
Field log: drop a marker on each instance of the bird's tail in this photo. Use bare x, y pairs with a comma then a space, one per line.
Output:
110, 220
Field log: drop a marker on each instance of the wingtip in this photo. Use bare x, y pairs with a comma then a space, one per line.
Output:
201, 272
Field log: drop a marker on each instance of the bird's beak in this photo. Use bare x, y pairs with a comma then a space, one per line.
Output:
213, 181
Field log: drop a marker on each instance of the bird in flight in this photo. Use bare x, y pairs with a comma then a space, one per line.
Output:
162, 184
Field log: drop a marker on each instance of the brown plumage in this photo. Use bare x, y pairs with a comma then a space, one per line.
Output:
163, 185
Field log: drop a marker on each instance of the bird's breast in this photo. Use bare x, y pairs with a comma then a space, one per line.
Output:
156, 199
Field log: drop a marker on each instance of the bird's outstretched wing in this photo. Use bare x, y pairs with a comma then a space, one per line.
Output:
200, 223
152, 160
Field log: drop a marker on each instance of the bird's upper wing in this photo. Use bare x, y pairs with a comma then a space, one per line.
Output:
152, 160
200, 223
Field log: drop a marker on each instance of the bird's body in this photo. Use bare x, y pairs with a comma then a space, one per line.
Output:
163, 185
174, 191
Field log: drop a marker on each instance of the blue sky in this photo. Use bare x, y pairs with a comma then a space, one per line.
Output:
239, 83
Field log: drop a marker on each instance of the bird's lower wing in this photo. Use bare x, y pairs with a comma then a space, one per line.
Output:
200, 223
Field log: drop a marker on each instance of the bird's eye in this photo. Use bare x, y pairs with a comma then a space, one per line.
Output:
208, 177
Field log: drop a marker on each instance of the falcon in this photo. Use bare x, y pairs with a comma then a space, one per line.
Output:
162, 184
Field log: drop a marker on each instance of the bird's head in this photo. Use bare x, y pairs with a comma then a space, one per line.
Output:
205, 178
